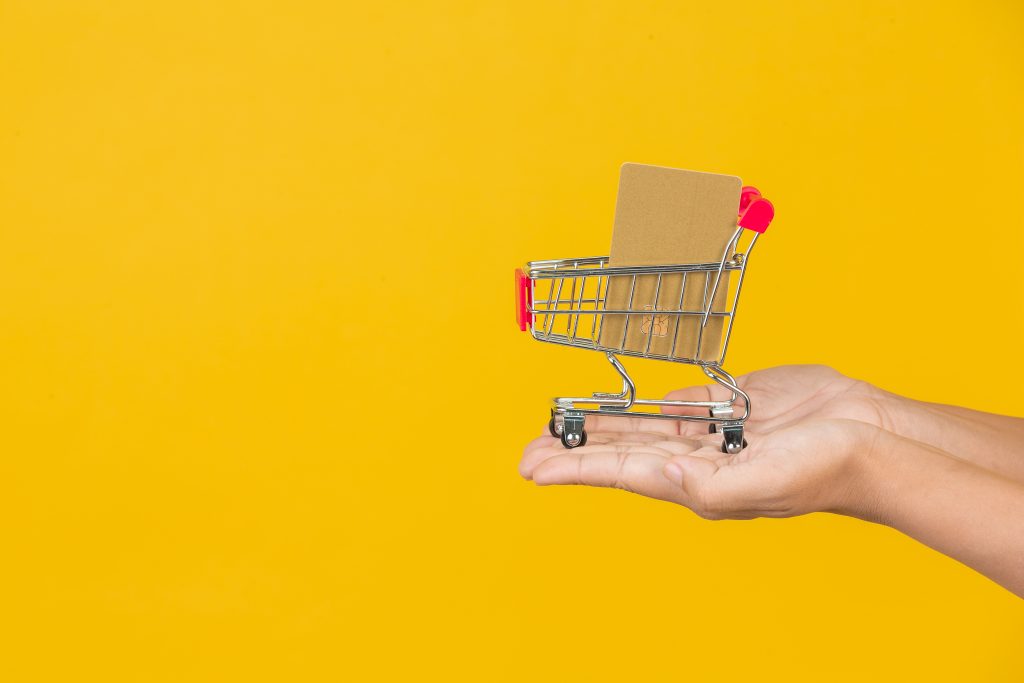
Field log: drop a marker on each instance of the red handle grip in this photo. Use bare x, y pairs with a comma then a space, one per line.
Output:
524, 300
756, 213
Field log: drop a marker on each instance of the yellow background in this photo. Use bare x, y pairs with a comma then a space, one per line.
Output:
261, 393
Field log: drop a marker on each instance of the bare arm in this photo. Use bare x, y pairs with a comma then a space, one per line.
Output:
790, 394
949, 477
995, 442
961, 510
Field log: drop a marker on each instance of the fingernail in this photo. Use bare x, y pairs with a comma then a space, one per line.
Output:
674, 473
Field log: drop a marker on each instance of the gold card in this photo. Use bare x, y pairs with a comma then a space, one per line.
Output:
666, 216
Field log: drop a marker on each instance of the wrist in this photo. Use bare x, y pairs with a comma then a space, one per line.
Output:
893, 469
927, 423
866, 475
899, 415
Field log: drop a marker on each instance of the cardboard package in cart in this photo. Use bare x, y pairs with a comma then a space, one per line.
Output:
667, 216
668, 291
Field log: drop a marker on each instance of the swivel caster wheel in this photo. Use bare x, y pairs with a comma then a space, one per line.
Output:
718, 414
555, 427
732, 440
726, 447
569, 426
574, 440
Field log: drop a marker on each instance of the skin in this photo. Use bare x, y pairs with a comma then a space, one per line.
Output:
949, 477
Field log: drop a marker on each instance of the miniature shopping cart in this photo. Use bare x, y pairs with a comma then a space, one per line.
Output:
682, 313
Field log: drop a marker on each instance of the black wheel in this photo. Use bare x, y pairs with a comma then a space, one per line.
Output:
568, 444
725, 448
551, 427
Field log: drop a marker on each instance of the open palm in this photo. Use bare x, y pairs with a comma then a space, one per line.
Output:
806, 422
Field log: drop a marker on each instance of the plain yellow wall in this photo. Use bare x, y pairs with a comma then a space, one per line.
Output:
261, 392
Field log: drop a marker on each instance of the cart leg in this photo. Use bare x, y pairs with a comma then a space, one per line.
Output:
732, 439
573, 434
724, 413
555, 424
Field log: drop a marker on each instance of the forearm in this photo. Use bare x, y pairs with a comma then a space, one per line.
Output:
961, 510
994, 442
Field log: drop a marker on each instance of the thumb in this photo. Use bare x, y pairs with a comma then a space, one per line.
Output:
691, 473
702, 491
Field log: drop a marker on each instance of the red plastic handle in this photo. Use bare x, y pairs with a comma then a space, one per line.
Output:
756, 213
748, 194
758, 216
524, 300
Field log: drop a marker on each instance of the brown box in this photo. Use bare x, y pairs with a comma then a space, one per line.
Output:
670, 216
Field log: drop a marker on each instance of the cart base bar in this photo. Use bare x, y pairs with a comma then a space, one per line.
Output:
568, 414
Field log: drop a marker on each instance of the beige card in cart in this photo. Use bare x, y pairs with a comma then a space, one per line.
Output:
669, 216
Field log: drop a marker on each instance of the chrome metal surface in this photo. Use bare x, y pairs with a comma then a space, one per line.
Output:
566, 292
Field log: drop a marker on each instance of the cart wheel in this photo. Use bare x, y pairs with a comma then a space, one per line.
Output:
732, 440
555, 427
725, 448
712, 428
573, 440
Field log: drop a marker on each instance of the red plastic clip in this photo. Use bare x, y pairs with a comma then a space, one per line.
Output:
755, 213
524, 299
748, 194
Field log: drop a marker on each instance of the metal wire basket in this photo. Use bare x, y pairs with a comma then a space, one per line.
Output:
682, 313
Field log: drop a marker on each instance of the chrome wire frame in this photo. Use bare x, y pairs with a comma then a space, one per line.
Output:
566, 301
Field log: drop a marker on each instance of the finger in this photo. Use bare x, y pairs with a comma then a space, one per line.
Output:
626, 423
715, 487
540, 442
632, 468
536, 452
701, 392
543, 448
704, 392
639, 439
692, 474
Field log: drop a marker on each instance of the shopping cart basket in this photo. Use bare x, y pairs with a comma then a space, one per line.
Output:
586, 303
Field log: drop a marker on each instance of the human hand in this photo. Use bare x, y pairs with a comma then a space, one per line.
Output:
819, 441
807, 466
791, 394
